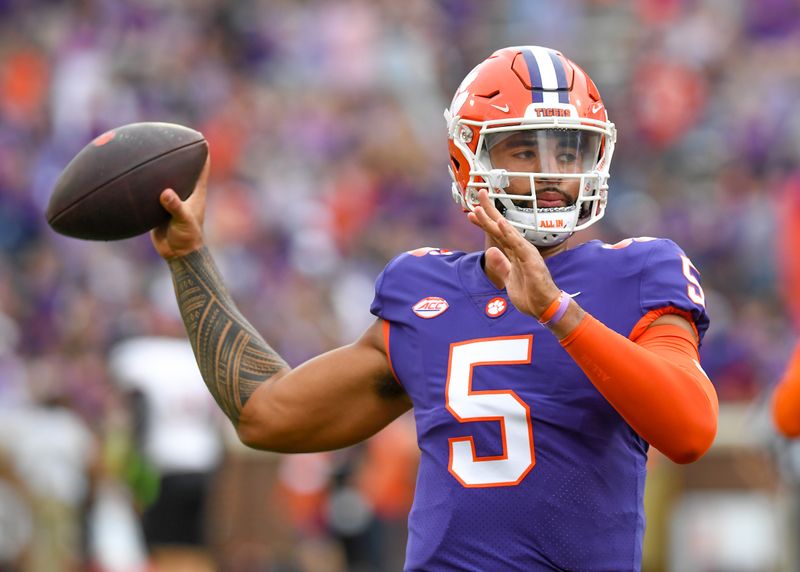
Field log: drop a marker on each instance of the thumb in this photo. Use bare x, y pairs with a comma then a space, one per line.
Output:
173, 204
497, 264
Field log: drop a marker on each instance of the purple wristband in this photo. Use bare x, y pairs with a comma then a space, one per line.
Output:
563, 304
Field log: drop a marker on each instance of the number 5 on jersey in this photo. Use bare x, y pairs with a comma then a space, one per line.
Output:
503, 406
693, 290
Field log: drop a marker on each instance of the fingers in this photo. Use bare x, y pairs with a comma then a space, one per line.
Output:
478, 217
173, 204
197, 200
183, 233
488, 217
202, 181
497, 264
488, 206
206, 169
498, 228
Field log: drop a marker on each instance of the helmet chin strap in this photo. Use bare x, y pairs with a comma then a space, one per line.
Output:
556, 218
543, 239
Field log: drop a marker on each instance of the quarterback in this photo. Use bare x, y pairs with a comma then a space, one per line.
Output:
539, 374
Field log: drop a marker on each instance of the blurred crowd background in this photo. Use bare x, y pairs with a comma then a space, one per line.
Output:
324, 119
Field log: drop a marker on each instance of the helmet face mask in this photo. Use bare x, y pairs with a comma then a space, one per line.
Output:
543, 155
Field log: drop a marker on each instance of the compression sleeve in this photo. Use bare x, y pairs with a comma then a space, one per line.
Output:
786, 399
654, 382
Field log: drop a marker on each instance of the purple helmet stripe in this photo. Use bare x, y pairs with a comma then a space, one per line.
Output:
561, 76
535, 75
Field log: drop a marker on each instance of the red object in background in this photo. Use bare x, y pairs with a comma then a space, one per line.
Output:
351, 203
668, 98
788, 221
24, 79
388, 473
658, 12
226, 136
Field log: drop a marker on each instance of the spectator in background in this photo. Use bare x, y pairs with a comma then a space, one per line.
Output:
179, 436
53, 453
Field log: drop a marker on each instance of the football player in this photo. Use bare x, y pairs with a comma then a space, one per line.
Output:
539, 374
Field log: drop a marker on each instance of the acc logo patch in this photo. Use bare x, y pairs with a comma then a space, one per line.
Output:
496, 307
430, 307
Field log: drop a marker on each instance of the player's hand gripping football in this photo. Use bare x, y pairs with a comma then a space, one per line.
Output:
514, 261
183, 233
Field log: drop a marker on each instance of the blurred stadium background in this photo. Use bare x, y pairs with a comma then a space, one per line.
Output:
329, 157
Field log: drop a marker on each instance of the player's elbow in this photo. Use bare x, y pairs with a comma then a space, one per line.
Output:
258, 434
252, 436
687, 455
266, 423
272, 432
255, 428
265, 438
694, 443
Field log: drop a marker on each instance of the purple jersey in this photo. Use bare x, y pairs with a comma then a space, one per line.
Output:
524, 465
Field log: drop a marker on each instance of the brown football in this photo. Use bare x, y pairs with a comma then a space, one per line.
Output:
110, 190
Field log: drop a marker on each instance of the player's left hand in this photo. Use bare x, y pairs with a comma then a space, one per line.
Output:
514, 261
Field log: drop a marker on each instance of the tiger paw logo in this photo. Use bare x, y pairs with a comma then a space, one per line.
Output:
430, 307
496, 307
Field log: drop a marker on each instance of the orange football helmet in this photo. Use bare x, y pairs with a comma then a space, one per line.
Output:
532, 97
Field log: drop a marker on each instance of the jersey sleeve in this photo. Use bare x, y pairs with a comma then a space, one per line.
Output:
670, 280
385, 293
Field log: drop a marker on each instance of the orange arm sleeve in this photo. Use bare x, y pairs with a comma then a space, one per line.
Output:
654, 382
786, 399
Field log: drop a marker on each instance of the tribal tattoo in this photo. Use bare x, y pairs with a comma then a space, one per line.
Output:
234, 359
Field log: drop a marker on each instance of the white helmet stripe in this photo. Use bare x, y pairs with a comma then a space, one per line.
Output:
547, 72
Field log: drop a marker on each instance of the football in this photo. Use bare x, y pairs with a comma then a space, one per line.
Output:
111, 189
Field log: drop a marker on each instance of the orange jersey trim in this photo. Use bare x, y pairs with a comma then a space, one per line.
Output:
654, 383
386, 328
786, 399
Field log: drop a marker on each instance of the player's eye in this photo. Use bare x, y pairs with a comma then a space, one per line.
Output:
524, 154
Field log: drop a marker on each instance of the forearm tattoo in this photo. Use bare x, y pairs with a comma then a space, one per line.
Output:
234, 359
